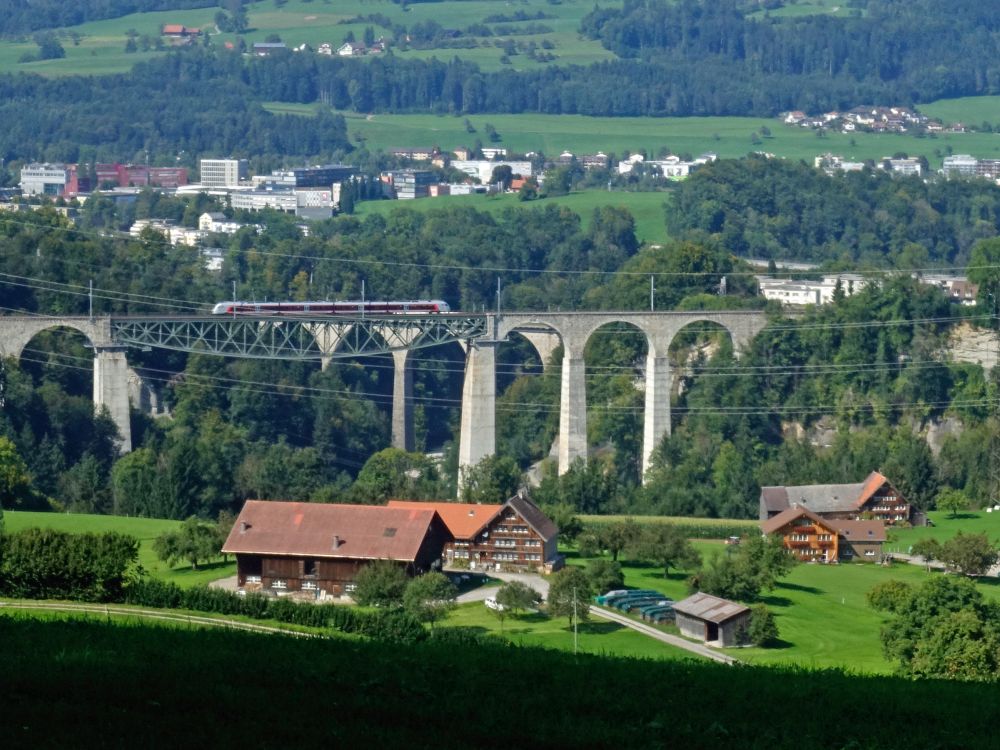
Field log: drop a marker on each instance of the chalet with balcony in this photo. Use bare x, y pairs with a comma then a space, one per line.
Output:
873, 499
515, 535
319, 549
810, 537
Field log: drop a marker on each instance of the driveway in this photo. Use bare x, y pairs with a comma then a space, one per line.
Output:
534, 580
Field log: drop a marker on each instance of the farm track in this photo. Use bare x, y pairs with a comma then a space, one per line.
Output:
155, 614
673, 640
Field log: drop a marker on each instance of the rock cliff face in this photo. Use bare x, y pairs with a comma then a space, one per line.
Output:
823, 432
976, 346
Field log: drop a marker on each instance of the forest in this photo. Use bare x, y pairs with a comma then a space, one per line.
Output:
774, 208
869, 364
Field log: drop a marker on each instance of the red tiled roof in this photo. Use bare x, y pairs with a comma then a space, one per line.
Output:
787, 516
173, 28
328, 530
464, 520
872, 482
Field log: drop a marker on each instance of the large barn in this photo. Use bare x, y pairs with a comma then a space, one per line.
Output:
283, 547
515, 535
875, 498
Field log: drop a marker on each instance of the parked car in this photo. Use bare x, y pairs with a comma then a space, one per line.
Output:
493, 604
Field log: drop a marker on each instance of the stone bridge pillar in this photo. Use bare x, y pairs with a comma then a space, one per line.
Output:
656, 416
572, 403
402, 400
477, 437
111, 386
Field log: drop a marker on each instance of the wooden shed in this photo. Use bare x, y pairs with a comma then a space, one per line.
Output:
717, 622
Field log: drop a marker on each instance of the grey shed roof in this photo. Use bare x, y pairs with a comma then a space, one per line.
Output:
533, 516
709, 608
819, 498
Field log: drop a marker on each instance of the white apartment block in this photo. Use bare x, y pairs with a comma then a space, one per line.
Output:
482, 169
46, 179
223, 172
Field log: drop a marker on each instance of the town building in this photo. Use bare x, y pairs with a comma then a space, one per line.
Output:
482, 169
179, 31
266, 49
306, 203
909, 167
962, 165
50, 179
514, 535
717, 622
410, 183
319, 548
831, 164
809, 292
872, 499
810, 537
138, 175
223, 172
321, 176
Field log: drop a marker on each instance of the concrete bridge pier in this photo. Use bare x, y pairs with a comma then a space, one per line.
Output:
545, 343
572, 406
111, 387
477, 437
402, 400
656, 415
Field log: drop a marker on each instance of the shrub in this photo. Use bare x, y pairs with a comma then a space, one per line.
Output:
763, 630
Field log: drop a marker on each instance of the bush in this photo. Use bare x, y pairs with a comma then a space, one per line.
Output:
763, 630
605, 575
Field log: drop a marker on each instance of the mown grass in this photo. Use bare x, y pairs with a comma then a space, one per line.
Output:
314, 23
81, 683
143, 529
971, 110
729, 137
646, 208
945, 527
822, 615
595, 636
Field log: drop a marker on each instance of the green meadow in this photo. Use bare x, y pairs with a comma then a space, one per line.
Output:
143, 529
646, 208
102, 47
729, 137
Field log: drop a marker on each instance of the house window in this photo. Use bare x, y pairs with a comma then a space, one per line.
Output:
253, 579
309, 567
279, 583
309, 586
869, 553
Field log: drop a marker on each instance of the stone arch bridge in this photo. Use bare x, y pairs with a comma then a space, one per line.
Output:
325, 339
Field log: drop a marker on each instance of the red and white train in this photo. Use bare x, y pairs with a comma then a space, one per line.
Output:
391, 307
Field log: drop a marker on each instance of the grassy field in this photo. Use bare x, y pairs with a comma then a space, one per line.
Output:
971, 110
646, 208
143, 529
821, 612
102, 47
729, 137
945, 527
595, 637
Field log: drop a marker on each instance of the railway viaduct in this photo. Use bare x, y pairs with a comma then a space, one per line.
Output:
116, 385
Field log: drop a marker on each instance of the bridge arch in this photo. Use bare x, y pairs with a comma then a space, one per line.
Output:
111, 370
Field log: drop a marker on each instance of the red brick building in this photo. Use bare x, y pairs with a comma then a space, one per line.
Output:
283, 547
515, 535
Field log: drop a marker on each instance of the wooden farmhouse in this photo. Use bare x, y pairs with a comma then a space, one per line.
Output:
515, 535
284, 547
811, 537
717, 622
873, 499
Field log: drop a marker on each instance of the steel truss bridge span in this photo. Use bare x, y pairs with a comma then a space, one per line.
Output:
297, 337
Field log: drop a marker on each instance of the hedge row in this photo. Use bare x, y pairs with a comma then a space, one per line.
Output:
394, 625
